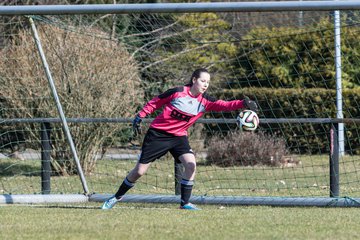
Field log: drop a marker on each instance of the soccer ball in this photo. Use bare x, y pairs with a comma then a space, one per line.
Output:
248, 120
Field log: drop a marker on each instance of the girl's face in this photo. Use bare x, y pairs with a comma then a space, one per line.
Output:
200, 84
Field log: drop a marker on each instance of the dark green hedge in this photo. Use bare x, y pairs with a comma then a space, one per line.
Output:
300, 103
288, 57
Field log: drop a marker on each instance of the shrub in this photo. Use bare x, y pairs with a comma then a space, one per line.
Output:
246, 149
94, 78
309, 138
287, 57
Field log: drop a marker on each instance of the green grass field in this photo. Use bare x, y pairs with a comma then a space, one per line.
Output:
310, 178
164, 221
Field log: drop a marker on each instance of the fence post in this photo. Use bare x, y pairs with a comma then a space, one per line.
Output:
45, 157
179, 169
334, 161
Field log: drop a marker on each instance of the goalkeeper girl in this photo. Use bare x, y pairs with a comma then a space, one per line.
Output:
168, 132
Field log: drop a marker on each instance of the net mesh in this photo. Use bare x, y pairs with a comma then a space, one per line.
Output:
109, 66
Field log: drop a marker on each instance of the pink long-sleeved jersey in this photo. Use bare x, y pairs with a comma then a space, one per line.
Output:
183, 109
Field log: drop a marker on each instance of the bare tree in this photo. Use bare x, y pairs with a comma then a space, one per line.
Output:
94, 78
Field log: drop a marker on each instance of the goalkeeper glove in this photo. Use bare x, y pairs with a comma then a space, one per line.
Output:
136, 125
250, 104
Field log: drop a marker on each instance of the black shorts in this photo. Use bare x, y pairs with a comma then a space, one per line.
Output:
157, 143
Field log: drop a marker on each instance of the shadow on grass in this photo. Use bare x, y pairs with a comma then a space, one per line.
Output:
16, 168
67, 207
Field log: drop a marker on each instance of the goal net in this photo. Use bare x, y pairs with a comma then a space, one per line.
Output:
105, 67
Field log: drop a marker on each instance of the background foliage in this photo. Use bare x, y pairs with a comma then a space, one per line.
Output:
246, 149
110, 65
299, 103
287, 57
89, 81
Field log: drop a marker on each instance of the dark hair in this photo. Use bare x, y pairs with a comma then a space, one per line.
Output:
196, 74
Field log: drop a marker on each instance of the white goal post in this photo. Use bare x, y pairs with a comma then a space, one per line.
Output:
152, 34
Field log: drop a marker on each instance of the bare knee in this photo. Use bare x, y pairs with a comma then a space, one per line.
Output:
190, 166
136, 173
189, 162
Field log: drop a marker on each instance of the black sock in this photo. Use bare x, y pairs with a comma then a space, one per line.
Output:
186, 189
124, 187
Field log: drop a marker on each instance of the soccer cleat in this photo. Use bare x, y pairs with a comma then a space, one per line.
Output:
110, 203
189, 206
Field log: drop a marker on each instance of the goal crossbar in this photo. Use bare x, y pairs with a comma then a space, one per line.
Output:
181, 7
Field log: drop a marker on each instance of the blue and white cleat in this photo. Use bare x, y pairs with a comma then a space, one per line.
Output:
189, 206
110, 203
